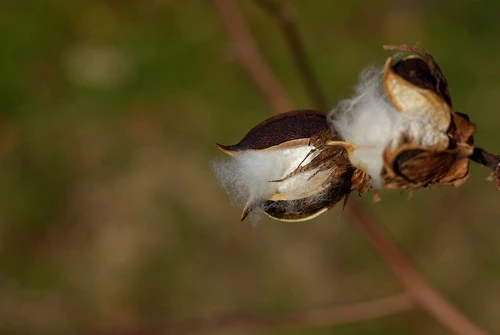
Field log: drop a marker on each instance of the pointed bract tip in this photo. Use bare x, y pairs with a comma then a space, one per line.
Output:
243, 216
227, 149
246, 210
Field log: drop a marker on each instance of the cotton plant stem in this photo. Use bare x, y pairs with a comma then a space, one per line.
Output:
421, 292
491, 161
249, 55
485, 158
284, 14
424, 296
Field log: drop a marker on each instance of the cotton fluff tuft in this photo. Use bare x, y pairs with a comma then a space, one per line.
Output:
369, 121
253, 175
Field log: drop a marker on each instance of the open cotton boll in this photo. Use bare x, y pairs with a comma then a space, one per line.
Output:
256, 175
369, 121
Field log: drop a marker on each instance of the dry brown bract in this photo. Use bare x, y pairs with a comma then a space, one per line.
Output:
414, 82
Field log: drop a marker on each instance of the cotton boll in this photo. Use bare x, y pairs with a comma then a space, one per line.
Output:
370, 122
291, 166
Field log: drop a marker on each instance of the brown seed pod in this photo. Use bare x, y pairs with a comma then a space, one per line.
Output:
437, 152
312, 166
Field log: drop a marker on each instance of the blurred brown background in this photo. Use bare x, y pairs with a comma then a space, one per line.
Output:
109, 213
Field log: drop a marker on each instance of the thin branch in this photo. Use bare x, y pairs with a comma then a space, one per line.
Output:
287, 22
421, 292
485, 158
248, 54
426, 297
489, 160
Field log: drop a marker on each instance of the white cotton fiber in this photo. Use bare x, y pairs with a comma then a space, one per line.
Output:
369, 121
254, 175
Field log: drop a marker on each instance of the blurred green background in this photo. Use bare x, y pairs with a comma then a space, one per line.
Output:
109, 213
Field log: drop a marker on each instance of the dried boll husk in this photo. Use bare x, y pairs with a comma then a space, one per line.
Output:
438, 151
292, 166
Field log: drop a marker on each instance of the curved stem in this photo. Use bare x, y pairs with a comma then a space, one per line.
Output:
249, 55
491, 161
426, 297
287, 22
